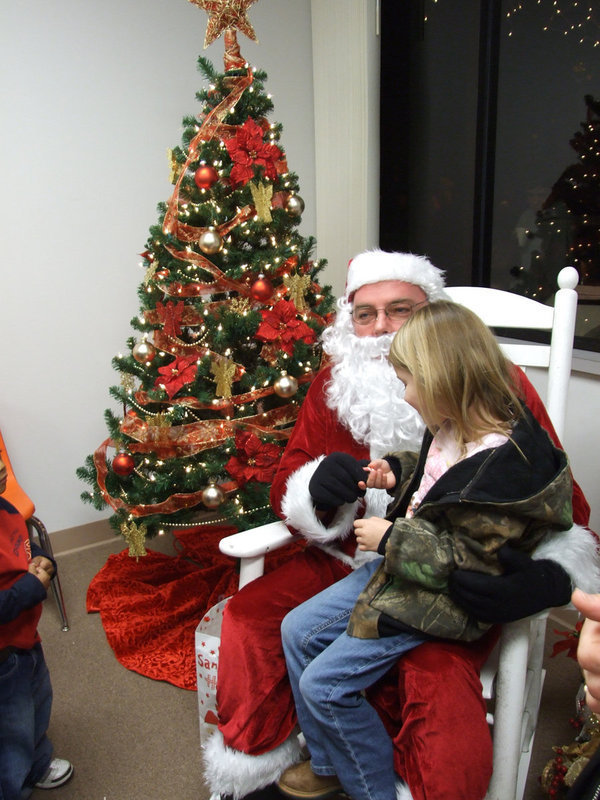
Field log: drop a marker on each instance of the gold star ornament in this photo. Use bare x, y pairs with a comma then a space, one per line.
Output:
224, 14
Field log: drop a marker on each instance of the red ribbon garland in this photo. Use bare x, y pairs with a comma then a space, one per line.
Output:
225, 405
209, 129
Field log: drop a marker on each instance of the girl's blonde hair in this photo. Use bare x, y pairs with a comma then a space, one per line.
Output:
459, 370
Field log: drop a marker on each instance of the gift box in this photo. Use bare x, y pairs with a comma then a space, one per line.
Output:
207, 641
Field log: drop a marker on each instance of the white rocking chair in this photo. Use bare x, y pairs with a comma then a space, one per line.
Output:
514, 674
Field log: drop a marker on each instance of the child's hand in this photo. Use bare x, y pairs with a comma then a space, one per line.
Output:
41, 574
379, 475
369, 532
44, 563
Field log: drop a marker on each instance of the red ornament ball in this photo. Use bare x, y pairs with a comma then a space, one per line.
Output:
206, 176
123, 464
261, 289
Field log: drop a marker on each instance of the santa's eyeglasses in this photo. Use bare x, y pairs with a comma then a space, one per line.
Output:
397, 310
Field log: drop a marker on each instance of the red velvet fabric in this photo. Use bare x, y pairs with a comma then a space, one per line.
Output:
434, 711
251, 654
150, 607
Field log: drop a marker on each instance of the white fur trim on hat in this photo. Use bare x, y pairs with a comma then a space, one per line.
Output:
374, 266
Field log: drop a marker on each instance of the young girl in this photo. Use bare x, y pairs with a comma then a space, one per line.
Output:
487, 473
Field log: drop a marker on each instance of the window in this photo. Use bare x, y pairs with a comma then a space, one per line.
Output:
490, 151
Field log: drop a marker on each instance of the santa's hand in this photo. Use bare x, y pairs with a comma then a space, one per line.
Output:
369, 532
335, 480
527, 587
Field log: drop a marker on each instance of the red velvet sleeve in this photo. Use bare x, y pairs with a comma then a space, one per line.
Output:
581, 508
317, 432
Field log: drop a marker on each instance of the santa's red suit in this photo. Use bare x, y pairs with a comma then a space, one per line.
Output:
434, 686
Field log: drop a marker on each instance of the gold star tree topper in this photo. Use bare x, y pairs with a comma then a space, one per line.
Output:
226, 14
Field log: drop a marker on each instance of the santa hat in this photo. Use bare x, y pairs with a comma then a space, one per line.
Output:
374, 266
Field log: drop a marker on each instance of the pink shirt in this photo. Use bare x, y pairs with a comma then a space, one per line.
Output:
443, 453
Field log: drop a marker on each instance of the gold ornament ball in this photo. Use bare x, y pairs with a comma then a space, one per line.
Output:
143, 352
286, 386
295, 205
213, 496
210, 242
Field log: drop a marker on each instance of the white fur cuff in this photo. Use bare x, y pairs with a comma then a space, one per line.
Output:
299, 510
576, 550
231, 772
402, 791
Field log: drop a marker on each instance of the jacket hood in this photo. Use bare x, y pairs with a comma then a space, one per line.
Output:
500, 478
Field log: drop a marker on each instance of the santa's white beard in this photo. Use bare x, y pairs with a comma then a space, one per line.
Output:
365, 392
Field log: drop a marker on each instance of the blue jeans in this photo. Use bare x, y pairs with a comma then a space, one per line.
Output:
25, 703
328, 671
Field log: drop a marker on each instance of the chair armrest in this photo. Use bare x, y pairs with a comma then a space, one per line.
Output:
251, 546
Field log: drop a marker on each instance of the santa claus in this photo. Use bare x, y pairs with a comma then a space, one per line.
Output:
355, 407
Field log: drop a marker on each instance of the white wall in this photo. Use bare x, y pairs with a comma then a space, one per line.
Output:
346, 50
93, 95
582, 431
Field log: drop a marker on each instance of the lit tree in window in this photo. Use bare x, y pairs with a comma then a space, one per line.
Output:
568, 224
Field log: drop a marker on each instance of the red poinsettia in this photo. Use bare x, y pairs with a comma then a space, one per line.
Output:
281, 325
247, 150
177, 374
569, 642
254, 461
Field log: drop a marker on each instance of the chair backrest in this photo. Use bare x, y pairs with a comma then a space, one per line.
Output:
502, 309
13, 492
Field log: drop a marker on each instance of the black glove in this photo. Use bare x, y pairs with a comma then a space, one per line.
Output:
527, 587
335, 481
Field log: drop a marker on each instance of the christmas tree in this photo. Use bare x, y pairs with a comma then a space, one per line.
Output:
568, 224
226, 340
577, 194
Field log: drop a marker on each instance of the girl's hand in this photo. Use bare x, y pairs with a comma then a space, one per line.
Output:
379, 475
369, 532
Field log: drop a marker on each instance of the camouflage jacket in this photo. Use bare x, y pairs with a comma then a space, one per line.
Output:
515, 492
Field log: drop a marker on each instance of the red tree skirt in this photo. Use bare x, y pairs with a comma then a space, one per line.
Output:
151, 607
